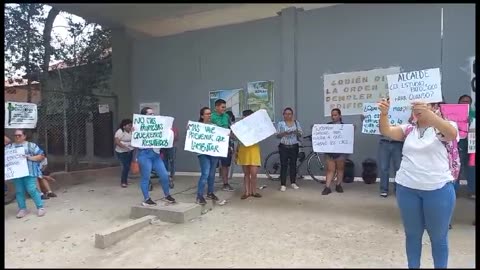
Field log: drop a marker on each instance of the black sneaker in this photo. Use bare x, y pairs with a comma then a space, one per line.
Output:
201, 200
51, 195
450, 226
227, 187
149, 202
170, 199
326, 191
44, 197
212, 197
150, 186
338, 188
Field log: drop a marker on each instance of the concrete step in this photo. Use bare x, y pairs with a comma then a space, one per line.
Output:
114, 235
179, 212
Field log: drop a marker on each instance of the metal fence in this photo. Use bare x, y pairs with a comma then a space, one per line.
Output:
75, 132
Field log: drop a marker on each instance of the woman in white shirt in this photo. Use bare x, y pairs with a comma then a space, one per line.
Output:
124, 150
425, 191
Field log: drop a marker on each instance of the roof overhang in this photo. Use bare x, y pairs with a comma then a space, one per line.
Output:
169, 19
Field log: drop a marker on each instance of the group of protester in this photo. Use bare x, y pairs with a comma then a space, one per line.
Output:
423, 152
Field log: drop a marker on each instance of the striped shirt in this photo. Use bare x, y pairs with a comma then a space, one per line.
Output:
291, 138
31, 149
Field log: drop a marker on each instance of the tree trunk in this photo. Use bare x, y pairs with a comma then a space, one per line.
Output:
47, 37
27, 55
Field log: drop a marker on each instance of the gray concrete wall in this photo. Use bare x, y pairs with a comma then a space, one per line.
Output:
295, 49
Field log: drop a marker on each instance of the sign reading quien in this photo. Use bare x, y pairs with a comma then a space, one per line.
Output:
152, 131
398, 115
422, 85
254, 128
15, 163
332, 138
348, 91
20, 115
207, 139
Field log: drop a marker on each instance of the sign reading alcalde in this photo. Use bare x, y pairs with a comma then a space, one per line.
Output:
423, 85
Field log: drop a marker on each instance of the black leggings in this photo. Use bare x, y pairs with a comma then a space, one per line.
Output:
288, 159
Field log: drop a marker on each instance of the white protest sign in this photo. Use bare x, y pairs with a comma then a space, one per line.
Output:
398, 115
15, 163
152, 131
333, 138
207, 139
471, 142
349, 90
422, 85
254, 128
20, 115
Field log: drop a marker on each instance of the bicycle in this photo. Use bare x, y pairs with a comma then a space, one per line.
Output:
272, 165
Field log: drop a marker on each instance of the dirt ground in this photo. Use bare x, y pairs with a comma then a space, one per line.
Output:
298, 228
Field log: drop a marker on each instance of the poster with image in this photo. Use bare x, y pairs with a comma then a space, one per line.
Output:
260, 95
235, 100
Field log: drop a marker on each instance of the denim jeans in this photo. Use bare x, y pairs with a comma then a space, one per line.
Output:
430, 210
29, 184
169, 155
126, 159
148, 159
208, 166
388, 153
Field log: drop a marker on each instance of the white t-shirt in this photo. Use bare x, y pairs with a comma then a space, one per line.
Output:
125, 138
425, 163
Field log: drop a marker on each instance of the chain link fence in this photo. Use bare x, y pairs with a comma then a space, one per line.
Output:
76, 130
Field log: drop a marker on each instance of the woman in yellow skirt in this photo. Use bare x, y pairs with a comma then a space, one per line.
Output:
250, 160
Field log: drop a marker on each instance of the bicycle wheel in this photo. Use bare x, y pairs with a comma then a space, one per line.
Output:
272, 166
315, 167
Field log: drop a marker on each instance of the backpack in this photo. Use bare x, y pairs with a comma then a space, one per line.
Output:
452, 153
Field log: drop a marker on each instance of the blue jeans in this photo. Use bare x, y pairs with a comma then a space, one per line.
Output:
430, 210
388, 152
169, 155
148, 159
29, 184
208, 165
126, 160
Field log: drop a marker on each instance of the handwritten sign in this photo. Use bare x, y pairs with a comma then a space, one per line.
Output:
398, 115
457, 113
20, 115
422, 85
332, 138
348, 91
15, 163
207, 139
152, 131
471, 142
254, 128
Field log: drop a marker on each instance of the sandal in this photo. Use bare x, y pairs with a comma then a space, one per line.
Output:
256, 195
244, 196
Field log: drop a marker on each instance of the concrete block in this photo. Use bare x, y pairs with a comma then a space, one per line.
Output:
113, 235
173, 213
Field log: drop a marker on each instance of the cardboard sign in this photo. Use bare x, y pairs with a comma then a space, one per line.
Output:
15, 163
254, 128
207, 139
152, 131
398, 115
457, 113
20, 115
333, 138
422, 85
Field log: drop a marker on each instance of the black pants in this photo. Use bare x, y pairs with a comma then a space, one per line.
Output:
288, 159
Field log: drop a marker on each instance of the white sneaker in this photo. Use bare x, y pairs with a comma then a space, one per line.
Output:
283, 188
22, 213
294, 186
41, 212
